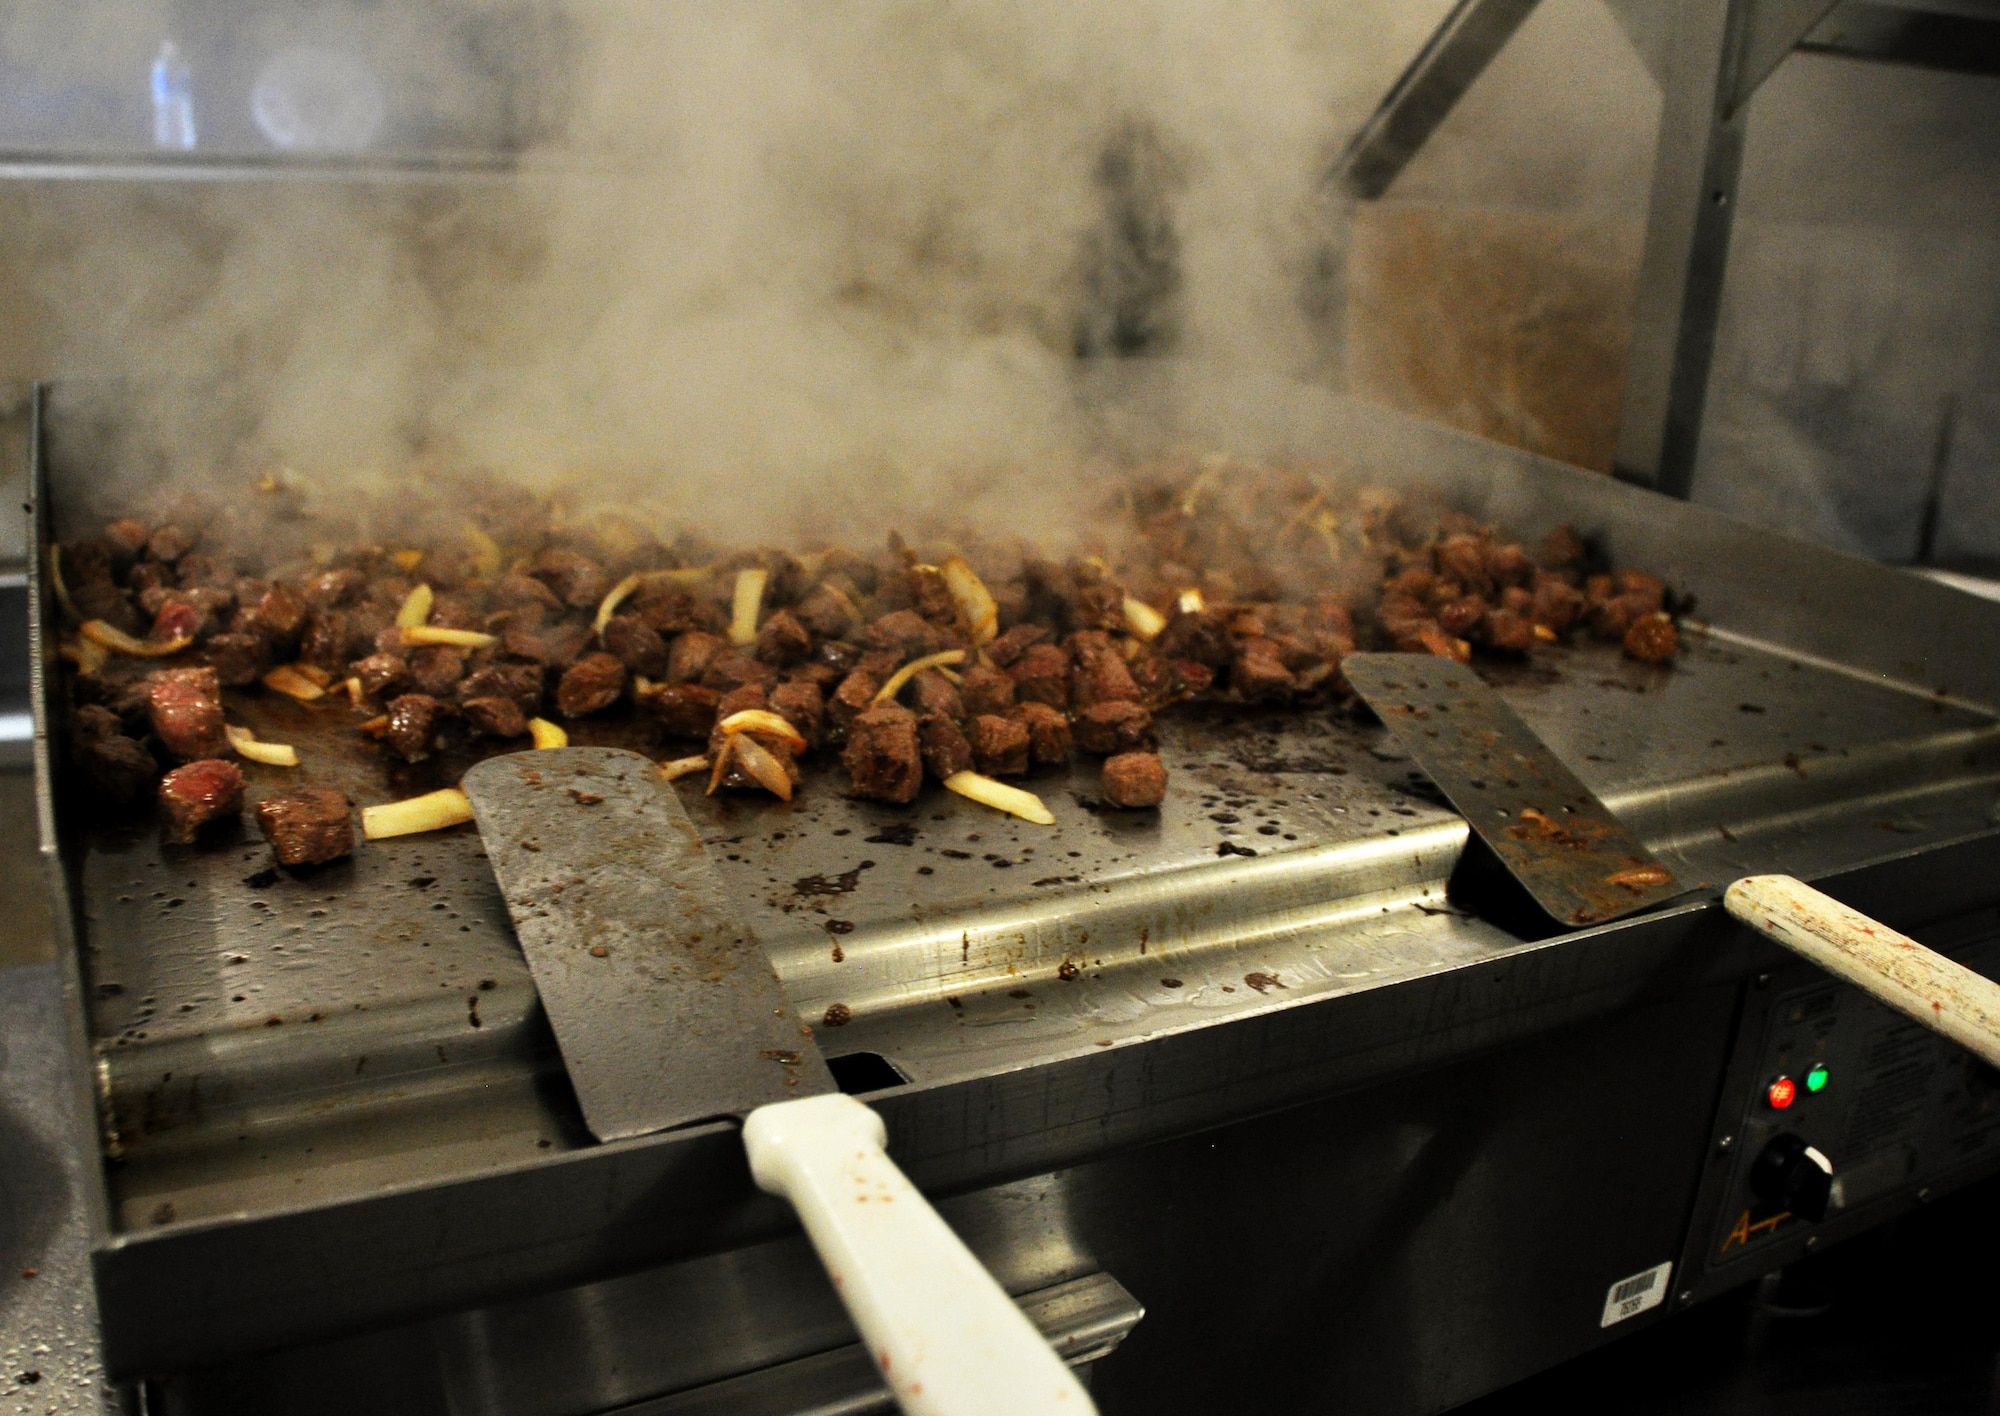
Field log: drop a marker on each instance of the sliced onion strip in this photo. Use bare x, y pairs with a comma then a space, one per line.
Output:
416, 608
546, 734
1191, 601
431, 812
748, 600
910, 670
87, 654
56, 581
683, 767
608, 606
118, 641
763, 720
271, 754
354, 693
287, 679
408, 560
1000, 797
977, 610
416, 634
314, 674
486, 557
761, 765
1142, 619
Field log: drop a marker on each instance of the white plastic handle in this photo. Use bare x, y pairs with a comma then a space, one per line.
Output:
948, 1339
1893, 968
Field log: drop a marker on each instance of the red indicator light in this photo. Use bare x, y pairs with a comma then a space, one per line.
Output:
1782, 1093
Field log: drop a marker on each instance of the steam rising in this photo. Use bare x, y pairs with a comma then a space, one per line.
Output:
780, 263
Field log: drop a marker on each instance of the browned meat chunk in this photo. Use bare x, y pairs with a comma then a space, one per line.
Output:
882, 756
100, 599
735, 668
554, 646
943, 745
1640, 588
326, 643
1098, 607
1563, 549
193, 796
1557, 604
986, 690
380, 673
147, 577
238, 659
932, 693
307, 827
1101, 674
592, 684
827, 612
436, 669
1010, 646
186, 710
1112, 727
413, 725
333, 589
800, 703
279, 616
637, 645
1000, 746
117, 767
1155, 679
854, 697
1652, 639
128, 538
1041, 675
782, 640
169, 544
1259, 673
1135, 779
1508, 631
904, 633
669, 610
576, 579
1048, 733
684, 710
524, 592
494, 717
520, 682
459, 610
692, 653
1462, 616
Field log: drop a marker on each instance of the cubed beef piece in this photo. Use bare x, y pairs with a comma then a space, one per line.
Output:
1191, 678
1462, 557
1048, 733
669, 610
1135, 779
577, 580
741, 699
825, 677
280, 616
333, 589
524, 592
436, 669
1563, 549
943, 746
1041, 675
637, 645
782, 640
904, 633
800, 703
827, 612
1099, 607
326, 642
169, 544
1010, 646
461, 609
684, 710
882, 755
201, 571
388, 591
154, 599
380, 673
1652, 639
1639, 587
1507, 564
1101, 675
735, 668
986, 689
880, 664
117, 767
1429, 639
1612, 618
101, 600
310, 826
932, 693
520, 682
1462, 615
1157, 683
127, 538
1249, 621
494, 717
196, 795
1259, 673
413, 725
854, 697
149, 576
1557, 604
692, 653
238, 659
999, 746
1112, 727
592, 684
555, 646
1507, 632
1520, 599
186, 710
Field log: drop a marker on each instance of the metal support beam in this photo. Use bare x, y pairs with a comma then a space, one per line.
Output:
1717, 52
1453, 57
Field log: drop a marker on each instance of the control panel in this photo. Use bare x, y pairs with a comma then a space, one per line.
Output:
1838, 1108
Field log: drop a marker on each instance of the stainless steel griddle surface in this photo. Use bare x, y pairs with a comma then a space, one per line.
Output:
272, 1039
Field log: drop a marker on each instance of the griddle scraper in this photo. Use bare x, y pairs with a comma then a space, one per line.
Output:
667, 1012
1582, 866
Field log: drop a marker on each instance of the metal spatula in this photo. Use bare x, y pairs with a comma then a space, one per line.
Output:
1582, 866
667, 1012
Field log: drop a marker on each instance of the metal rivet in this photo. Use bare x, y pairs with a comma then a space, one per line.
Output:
1722, 1146
1685, 1297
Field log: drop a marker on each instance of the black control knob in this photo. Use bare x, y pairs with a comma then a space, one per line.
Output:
1789, 1175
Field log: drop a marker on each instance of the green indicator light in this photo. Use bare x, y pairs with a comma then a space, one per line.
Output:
1816, 1079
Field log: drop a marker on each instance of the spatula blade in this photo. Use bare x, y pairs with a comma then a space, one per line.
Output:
1577, 860
664, 1004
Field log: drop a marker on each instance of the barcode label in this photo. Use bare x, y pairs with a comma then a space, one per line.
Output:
1631, 1296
